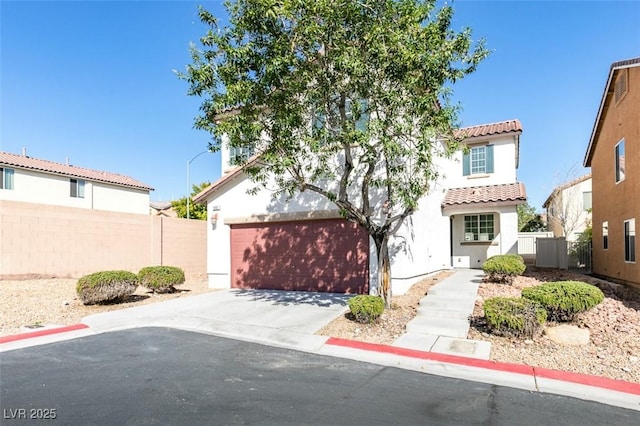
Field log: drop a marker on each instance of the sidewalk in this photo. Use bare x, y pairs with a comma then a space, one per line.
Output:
290, 319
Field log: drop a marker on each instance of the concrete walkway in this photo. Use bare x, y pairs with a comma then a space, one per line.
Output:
442, 321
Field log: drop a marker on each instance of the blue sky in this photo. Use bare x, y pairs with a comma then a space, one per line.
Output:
94, 81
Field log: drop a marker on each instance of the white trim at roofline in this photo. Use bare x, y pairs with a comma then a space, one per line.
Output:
603, 100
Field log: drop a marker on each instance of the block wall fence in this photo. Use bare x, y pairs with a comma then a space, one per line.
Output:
54, 241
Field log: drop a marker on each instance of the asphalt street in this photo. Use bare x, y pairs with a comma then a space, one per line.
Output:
157, 376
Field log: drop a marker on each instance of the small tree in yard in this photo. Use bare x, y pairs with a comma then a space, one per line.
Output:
529, 220
347, 99
196, 211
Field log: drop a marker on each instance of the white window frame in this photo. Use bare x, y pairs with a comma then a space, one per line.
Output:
620, 169
587, 200
478, 160
477, 228
7, 177
78, 185
238, 154
629, 229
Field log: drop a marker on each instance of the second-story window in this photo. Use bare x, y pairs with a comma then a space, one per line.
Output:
239, 154
478, 161
6, 178
319, 120
76, 188
620, 161
586, 200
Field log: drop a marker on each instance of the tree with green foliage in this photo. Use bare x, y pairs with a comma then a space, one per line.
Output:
196, 211
529, 220
348, 99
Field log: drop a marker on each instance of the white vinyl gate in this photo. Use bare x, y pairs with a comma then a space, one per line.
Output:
527, 244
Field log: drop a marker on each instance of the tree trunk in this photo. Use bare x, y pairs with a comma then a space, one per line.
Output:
384, 268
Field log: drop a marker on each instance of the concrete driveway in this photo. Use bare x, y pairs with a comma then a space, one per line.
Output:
282, 318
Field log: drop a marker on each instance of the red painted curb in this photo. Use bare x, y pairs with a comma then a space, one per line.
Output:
46, 332
583, 379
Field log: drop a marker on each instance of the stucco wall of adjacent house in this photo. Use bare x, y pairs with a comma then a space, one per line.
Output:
566, 211
38, 187
577, 214
504, 157
121, 199
616, 202
472, 254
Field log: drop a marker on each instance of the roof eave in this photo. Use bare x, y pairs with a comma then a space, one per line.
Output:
603, 103
205, 194
491, 135
72, 175
484, 204
231, 176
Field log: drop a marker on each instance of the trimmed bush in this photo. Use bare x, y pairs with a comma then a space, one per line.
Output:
161, 279
563, 300
366, 308
503, 268
106, 286
514, 316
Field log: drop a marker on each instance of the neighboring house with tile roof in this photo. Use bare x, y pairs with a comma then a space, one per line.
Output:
34, 180
613, 154
256, 241
568, 208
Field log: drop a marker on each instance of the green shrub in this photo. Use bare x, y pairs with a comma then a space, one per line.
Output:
106, 286
564, 299
161, 279
503, 268
514, 316
365, 308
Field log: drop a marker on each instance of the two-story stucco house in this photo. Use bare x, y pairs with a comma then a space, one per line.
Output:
33, 180
257, 241
568, 208
614, 157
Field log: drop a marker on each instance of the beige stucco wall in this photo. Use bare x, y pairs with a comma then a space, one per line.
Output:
616, 202
39, 239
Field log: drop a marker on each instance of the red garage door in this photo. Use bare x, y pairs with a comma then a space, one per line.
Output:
313, 255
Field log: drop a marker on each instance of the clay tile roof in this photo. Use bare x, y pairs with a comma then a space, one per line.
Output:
25, 162
510, 193
490, 129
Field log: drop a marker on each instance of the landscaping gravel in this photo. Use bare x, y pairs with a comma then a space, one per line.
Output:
613, 350
35, 302
614, 326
